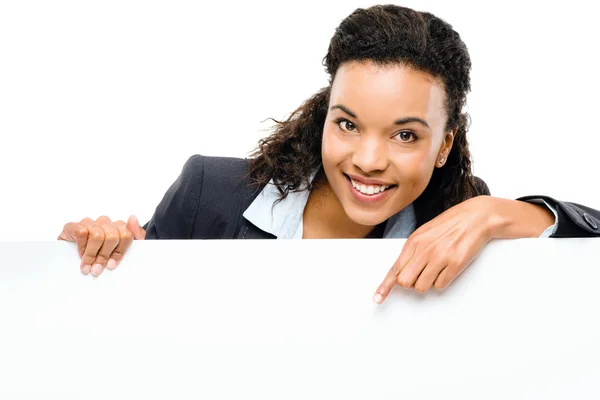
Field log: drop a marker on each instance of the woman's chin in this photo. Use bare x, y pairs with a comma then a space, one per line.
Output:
366, 218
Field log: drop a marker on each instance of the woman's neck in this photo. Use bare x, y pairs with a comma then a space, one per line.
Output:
325, 218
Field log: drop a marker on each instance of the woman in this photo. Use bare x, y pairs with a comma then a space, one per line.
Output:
380, 152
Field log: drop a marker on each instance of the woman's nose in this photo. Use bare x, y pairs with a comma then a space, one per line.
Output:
370, 154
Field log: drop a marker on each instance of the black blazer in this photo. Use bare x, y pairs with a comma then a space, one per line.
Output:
210, 195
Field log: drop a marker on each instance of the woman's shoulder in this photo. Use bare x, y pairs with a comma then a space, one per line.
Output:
218, 184
209, 192
219, 176
201, 167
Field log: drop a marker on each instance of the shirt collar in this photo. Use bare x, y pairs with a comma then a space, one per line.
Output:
401, 224
280, 218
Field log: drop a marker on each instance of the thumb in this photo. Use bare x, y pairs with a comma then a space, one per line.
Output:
134, 226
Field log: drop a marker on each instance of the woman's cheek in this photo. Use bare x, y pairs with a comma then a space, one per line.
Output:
414, 171
413, 164
326, 141
332, 148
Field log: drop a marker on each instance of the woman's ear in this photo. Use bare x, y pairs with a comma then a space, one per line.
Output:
445, 148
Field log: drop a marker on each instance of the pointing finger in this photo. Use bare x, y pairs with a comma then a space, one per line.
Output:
391, 277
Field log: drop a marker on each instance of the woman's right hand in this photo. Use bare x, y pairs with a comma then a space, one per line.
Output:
102, 243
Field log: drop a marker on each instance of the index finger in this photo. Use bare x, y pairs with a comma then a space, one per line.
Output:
75, 232
391, 278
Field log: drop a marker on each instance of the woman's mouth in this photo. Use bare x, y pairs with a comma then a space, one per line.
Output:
368, 193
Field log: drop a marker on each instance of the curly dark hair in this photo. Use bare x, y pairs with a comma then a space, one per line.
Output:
384, 34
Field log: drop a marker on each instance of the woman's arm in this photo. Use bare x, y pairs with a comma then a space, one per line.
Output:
569, 219
511, 219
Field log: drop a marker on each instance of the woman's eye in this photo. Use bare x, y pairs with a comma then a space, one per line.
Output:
406, 136
346, 125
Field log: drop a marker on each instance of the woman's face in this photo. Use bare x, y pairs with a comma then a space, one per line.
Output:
383, 136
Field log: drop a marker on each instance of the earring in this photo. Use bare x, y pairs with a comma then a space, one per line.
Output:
442, 159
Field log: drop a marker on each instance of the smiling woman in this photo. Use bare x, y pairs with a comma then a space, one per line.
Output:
380, 152
386, 127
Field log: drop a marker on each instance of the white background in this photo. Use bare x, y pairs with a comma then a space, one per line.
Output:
101, 103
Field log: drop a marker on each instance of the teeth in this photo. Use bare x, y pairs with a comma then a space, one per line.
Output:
368, 189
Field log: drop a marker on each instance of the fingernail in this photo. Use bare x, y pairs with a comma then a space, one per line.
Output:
378, 298
86, 269
112, 264
97, 269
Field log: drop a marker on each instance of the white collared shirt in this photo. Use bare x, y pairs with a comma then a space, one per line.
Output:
284, 219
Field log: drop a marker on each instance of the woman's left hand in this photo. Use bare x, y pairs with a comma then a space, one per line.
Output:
437, 252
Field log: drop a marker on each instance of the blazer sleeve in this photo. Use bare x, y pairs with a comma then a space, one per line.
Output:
175, 216
573, 220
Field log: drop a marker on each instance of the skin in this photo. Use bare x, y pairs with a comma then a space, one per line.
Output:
386, 123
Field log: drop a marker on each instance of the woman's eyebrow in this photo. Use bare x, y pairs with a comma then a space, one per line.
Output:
400, 121
344, 109
407, 120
